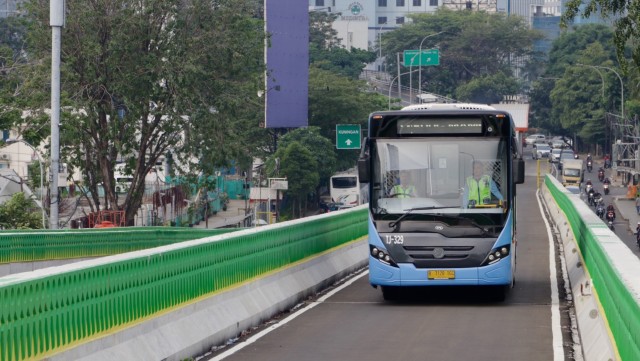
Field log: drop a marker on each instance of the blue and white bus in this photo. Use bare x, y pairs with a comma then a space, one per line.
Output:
456, 227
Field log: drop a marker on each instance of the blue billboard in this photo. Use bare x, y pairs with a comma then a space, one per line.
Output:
287, 63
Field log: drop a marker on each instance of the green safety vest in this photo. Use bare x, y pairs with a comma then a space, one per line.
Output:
407, 192
479, 190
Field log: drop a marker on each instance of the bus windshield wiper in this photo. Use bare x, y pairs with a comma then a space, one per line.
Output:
408, 211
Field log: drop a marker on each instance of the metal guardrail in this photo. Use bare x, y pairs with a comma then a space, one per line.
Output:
44, 245
46, 311
620, 304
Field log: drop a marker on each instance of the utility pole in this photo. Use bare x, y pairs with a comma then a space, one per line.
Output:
57, 20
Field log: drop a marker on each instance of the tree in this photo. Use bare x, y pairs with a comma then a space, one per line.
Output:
20, 212
488, 89
335, 99
472, 44
627, 23
565, 53
322, 149
149, 78
325, 51
299, 166
581, 97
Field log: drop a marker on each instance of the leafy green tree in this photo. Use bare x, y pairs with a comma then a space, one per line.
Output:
20, 212
583, 95
488, 89
22, 81
335, 99
322, 149
472, 44
627, 23
300, 168
321, 32
325, 51
149, 78
565, 53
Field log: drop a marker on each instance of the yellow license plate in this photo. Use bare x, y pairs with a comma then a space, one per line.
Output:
441, 274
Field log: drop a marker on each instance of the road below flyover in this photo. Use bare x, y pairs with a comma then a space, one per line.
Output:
355, 323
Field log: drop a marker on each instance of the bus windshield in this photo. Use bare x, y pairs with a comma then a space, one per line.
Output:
344, 182
452, 175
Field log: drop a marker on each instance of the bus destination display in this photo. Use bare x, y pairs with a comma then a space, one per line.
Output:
439, 126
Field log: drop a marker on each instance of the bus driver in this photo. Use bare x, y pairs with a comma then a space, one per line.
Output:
480, 187
404, 189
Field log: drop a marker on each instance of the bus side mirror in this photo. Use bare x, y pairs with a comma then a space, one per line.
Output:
364, 169
518, 171
364, 164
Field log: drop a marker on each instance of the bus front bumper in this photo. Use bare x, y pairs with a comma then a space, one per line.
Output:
405, 274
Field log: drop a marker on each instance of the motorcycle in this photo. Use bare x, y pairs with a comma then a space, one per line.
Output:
591, 199
606, 188
600, 211
597, 199
589, 166
610, 218
638, 237
601, 175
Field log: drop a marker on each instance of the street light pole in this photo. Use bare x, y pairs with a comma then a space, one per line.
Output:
391, 85
419, 52
44, 216
596, 67
380, 44
57, 21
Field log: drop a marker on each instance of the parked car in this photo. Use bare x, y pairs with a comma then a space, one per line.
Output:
535, 138
540, 151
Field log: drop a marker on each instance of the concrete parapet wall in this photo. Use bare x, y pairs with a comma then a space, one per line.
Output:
192, 330
594, 334
604, 278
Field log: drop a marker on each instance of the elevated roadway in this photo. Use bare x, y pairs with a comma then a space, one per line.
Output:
435, 324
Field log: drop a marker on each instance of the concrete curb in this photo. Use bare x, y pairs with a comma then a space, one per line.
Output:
594, 333
193, 329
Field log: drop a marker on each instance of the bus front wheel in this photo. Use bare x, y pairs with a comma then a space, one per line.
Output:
390, 293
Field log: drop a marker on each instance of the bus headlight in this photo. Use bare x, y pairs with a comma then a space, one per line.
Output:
496, 255
382, 256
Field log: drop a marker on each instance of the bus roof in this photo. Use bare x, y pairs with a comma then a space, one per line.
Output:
449, 106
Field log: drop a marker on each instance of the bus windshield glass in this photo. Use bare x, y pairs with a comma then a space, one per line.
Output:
453, 175
344, 182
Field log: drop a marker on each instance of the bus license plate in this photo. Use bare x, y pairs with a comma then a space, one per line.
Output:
441, 274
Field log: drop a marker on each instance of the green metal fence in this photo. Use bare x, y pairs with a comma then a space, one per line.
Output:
42, 245
41, 314
620, 306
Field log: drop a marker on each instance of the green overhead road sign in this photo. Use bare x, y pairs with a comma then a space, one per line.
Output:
428, 57
347, 136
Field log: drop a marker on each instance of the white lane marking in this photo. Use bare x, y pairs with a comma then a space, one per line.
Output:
556, 328
276, 326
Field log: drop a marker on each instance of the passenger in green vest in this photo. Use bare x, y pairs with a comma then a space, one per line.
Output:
480, 187
404, 189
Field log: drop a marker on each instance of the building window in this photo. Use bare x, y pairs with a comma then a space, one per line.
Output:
319, 2
417, 2
433, 2
382, 20
399, 2
400, 20
382, 3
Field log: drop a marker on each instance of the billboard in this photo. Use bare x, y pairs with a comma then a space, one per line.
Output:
287, 63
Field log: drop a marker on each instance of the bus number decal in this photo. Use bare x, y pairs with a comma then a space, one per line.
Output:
394, 239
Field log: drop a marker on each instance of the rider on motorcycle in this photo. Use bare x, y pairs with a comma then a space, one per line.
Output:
600, 210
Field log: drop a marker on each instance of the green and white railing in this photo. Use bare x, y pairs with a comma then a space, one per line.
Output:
49, 310
613, 268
